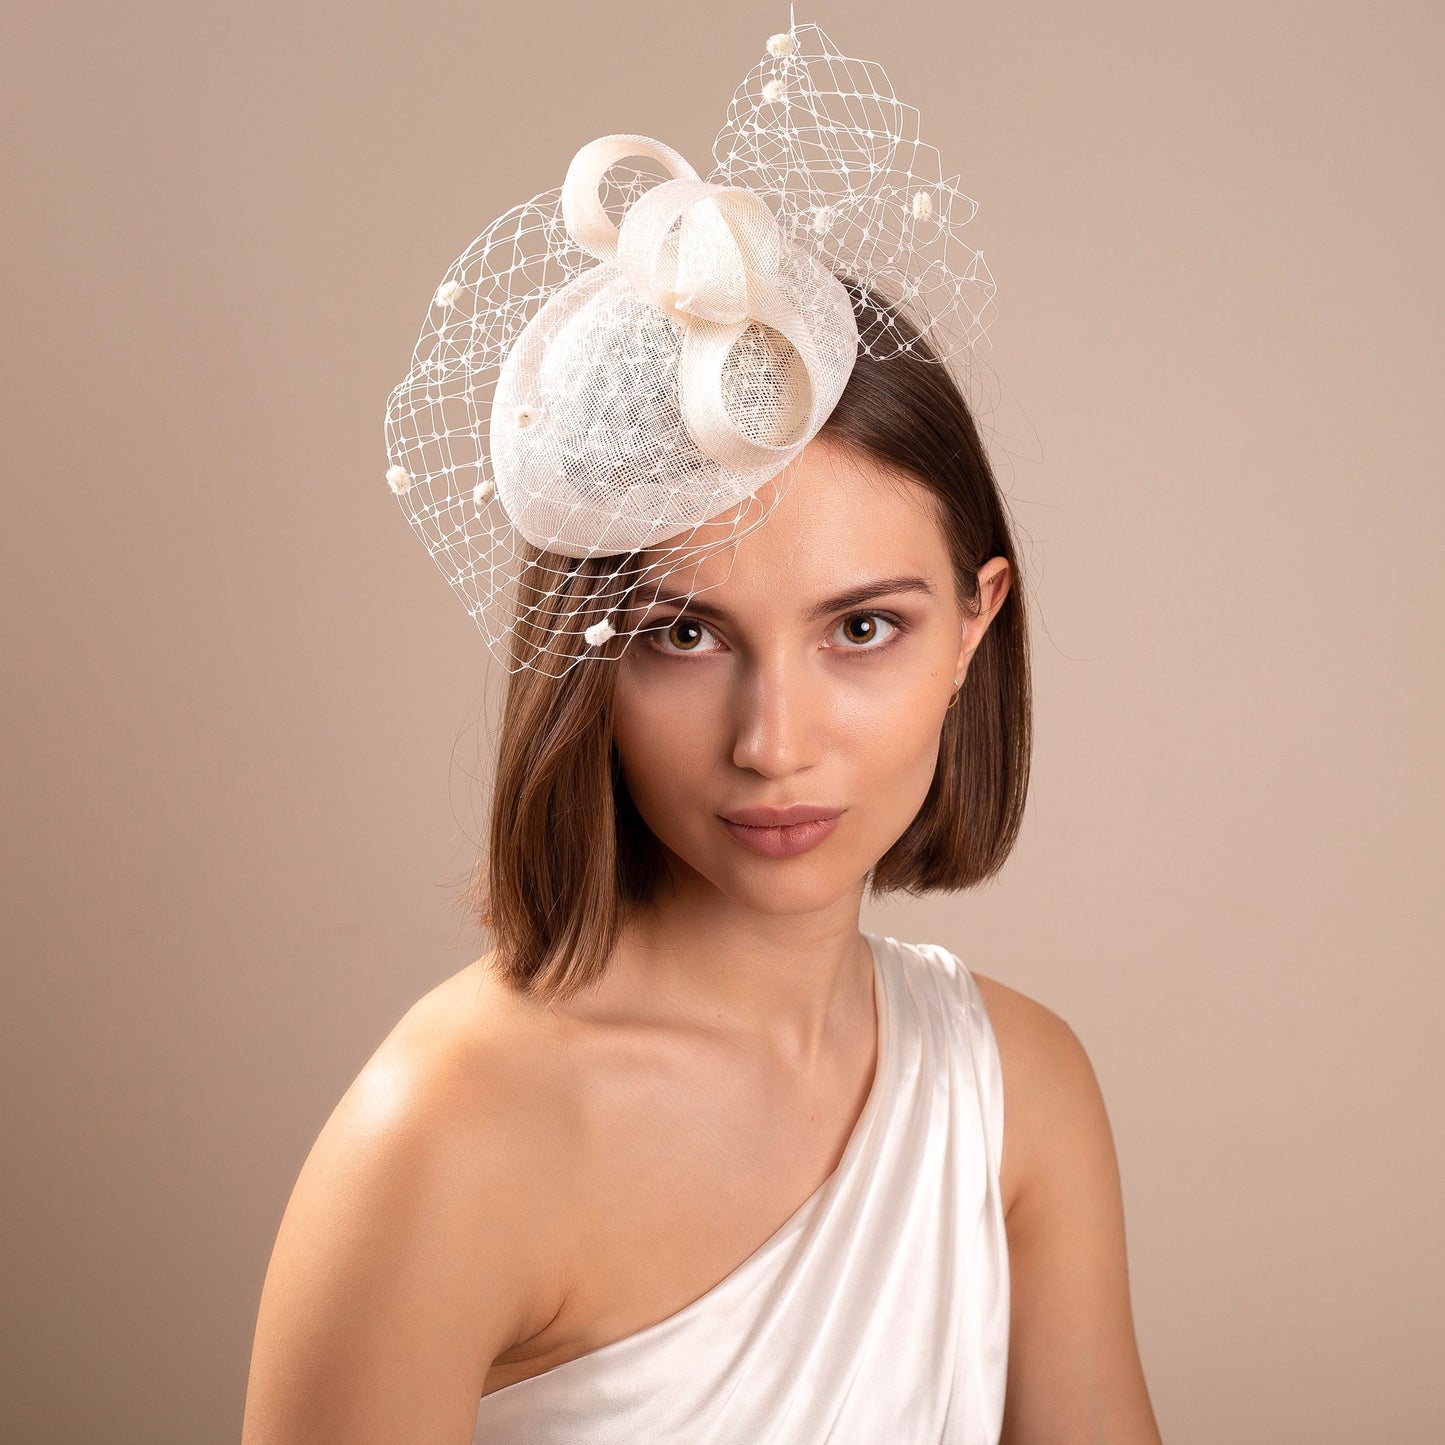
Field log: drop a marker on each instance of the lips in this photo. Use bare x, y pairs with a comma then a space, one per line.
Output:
782, 840
763, 817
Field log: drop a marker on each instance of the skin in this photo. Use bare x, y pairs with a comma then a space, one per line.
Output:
506, 1186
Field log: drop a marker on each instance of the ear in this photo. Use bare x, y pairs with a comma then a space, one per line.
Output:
994, 579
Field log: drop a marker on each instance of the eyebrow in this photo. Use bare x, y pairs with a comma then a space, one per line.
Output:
840, 602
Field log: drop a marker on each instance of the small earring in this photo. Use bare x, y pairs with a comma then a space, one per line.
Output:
957, 683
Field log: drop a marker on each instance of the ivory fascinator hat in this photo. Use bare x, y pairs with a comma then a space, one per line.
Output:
613, 378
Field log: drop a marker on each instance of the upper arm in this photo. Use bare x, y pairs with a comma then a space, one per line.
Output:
396, 1278
1074, 1374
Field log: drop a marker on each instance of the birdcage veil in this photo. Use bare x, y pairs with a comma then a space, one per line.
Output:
614, 379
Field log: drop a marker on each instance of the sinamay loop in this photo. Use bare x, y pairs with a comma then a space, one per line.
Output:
693, 265
613, 378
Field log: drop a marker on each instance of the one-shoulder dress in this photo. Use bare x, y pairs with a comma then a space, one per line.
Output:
876, 1314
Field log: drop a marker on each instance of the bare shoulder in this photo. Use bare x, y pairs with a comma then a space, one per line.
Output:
1074, 1368
470, 1079
415, 1246
1049, 1083
1028, 1031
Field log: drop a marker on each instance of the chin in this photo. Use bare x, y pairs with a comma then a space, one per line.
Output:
786, 898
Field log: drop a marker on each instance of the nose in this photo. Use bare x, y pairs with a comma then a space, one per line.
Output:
778, 707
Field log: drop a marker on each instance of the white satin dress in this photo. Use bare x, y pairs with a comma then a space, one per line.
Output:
877, 1314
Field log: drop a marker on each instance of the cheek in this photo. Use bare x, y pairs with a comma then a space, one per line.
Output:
893, 742
895, 718
662, 745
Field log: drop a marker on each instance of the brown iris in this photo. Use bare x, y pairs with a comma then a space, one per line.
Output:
679, 625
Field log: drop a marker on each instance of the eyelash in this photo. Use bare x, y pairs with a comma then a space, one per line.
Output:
655, 629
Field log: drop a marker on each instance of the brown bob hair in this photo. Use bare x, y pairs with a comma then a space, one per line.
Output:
570, 857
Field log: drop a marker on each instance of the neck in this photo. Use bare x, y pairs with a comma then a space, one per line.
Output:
796, 983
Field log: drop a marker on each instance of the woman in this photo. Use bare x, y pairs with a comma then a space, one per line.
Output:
687, 1155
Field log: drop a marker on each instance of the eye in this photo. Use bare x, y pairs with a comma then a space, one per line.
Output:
685, 630
867, 634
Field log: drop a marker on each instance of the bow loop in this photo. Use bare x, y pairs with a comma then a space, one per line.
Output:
702, 251
709, 279
709, 255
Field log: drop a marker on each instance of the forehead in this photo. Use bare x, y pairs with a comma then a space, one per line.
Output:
842, 517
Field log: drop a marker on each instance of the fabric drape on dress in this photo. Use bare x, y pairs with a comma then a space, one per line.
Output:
877, 1314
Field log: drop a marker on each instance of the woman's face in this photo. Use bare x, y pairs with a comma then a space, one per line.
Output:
770, 688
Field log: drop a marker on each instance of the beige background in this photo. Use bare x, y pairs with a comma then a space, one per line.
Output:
242, 706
